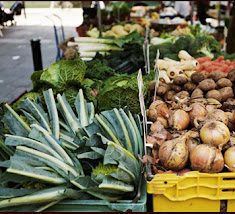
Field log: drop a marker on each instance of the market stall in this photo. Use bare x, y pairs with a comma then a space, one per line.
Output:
132, 109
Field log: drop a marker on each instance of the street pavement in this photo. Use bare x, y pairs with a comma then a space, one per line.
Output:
16, 62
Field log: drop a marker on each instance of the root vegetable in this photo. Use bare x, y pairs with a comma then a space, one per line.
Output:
180, 96
172, 72
161, 90
169, 95
156, 98
207, 84
214, 94
218, 115
192, 143
199, 76
198, 110
185, 55
217, 75
163, 77
173, 154
163, 121
189, 86
179, 120
215, 133
231, 75
176, 88
212, 104
197, 93
231, 123
206, 158
229, 158
226, 92
224, 82
180, 79
156, 109
230, 101
189, 73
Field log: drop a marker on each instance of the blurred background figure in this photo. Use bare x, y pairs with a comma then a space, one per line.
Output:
183, 9
231, 32
202, 8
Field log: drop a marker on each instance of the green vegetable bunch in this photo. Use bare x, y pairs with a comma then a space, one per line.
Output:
59, 153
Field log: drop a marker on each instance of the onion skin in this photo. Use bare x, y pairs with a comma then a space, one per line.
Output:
218, 115
206, 158
229, 158
179, 120
173, 154
163, 121
198, 110
215, 133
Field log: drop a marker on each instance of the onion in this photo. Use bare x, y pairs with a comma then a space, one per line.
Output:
218, 115
212, 104
173, 154
229, 158
215, 133
198, 110
179, 120
231, 123
192, 143
163, 121
158, 108
206, 158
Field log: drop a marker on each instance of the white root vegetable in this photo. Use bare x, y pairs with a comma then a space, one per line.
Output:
189, 73
172, 72
184, 55
163, 76
189, 65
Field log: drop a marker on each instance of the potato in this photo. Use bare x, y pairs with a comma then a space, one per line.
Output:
199, 76
231, 75
180, 80
226, 92
216, 75
197, 93
180, 95
156, 98
189, 86
175, 88
169, 95
161, 90
207, 84
214, 94
224, 82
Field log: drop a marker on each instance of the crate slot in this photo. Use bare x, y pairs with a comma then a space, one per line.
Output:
227, 179
228, 190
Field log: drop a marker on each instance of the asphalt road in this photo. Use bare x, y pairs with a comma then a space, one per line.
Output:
16, 62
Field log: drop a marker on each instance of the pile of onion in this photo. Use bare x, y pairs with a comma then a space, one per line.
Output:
215, 133
206, 158
218, 115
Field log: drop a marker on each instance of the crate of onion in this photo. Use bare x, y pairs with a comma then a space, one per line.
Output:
190, 145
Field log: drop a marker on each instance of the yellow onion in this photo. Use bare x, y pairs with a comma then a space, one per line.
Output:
163, 121
231, 123
198, 110
179, 120
218, 115
192, 143
173, 154
158, 108
212, 104
206, 158
215, 133
229, 158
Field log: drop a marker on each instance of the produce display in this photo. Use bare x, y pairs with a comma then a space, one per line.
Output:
52, 152
78, 133
192, 124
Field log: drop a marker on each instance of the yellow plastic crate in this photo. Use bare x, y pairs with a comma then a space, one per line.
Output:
193, 192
